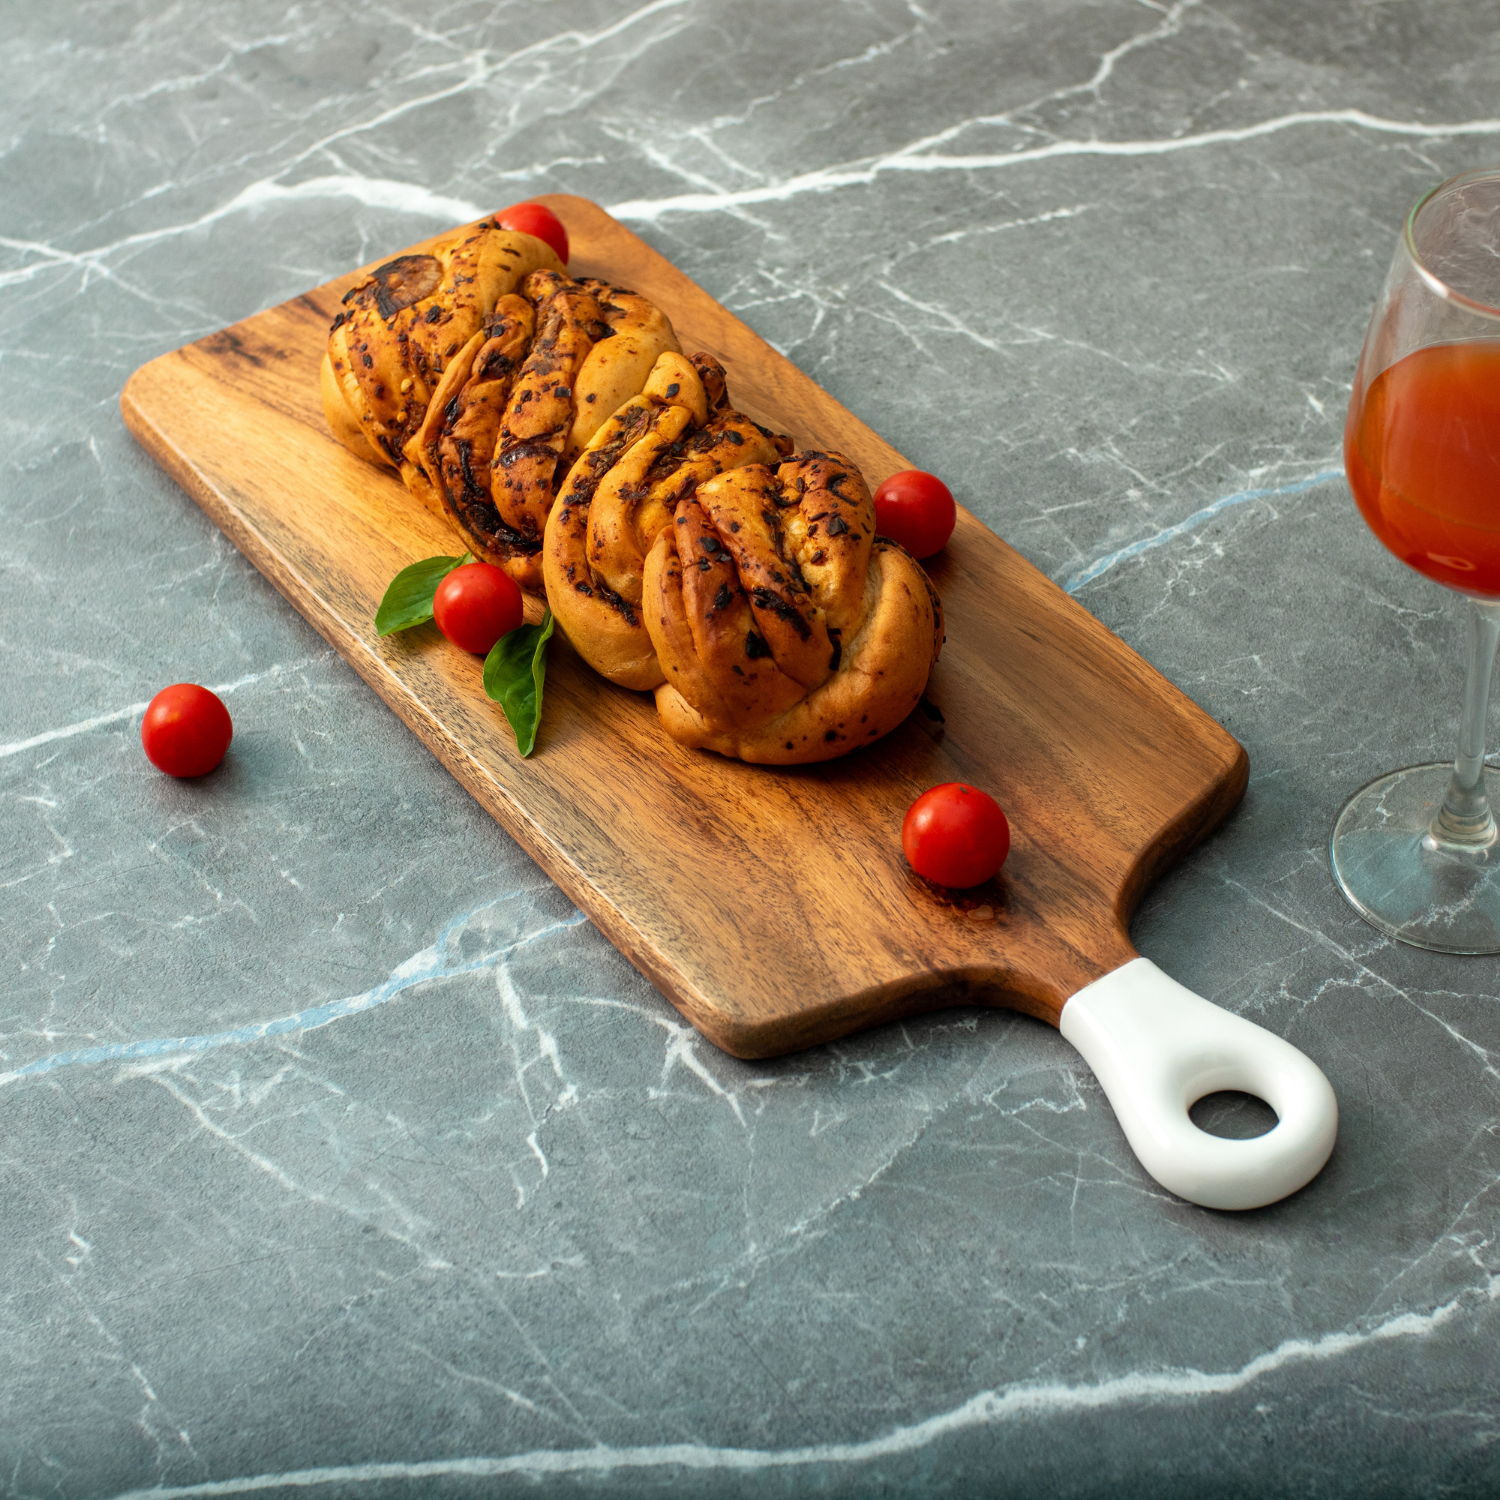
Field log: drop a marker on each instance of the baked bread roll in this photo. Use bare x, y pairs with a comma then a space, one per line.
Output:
402, 327
530, 389
787, 632
625, 486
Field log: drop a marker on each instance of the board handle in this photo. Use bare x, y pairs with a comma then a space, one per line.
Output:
1157, 1048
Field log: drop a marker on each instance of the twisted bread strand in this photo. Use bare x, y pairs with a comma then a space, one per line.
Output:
625, 486
401, 328
521, 400
478, 370
787, 631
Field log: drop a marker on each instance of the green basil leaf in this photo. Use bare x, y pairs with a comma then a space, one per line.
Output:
408, 601
513, 675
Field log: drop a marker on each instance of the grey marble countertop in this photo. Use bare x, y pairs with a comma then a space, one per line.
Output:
450, 1200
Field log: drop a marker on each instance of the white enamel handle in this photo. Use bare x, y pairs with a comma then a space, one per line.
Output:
1157, 1048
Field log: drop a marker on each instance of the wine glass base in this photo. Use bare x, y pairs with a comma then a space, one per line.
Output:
1399, 879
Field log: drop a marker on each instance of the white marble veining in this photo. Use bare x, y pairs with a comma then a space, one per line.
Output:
986, 1410
340, 1153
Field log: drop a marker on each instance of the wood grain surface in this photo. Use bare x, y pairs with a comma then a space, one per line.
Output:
772, 907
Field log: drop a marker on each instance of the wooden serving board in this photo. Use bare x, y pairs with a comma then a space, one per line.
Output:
772, 907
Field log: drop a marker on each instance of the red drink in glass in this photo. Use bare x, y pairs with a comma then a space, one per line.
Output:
1423, 457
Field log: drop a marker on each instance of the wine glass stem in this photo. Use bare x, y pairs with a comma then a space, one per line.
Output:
1465, 816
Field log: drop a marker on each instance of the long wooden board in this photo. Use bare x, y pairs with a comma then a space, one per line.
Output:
772, 907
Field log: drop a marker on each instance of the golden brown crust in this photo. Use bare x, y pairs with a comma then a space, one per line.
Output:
622, 490
787, 633
497, 444
391, 345
619, 366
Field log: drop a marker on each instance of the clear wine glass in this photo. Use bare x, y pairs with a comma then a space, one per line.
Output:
1416, 852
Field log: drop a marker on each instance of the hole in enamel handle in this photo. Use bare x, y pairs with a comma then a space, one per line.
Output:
1232, 1115
1157, 1049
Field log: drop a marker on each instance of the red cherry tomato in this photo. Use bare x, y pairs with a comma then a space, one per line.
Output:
955, 835
917, 510
186, 730
537, 220
475, 605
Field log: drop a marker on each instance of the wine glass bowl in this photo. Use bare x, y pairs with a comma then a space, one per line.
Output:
1417, 852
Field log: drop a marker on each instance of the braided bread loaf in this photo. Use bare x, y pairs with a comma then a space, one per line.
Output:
786, 631
661, 444
772, 623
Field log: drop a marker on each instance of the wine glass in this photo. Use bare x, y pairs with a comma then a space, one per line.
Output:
1417, 852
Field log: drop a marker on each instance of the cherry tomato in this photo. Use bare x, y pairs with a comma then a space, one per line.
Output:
917, 510
955, 835
186, 730
537, 220
475, 605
